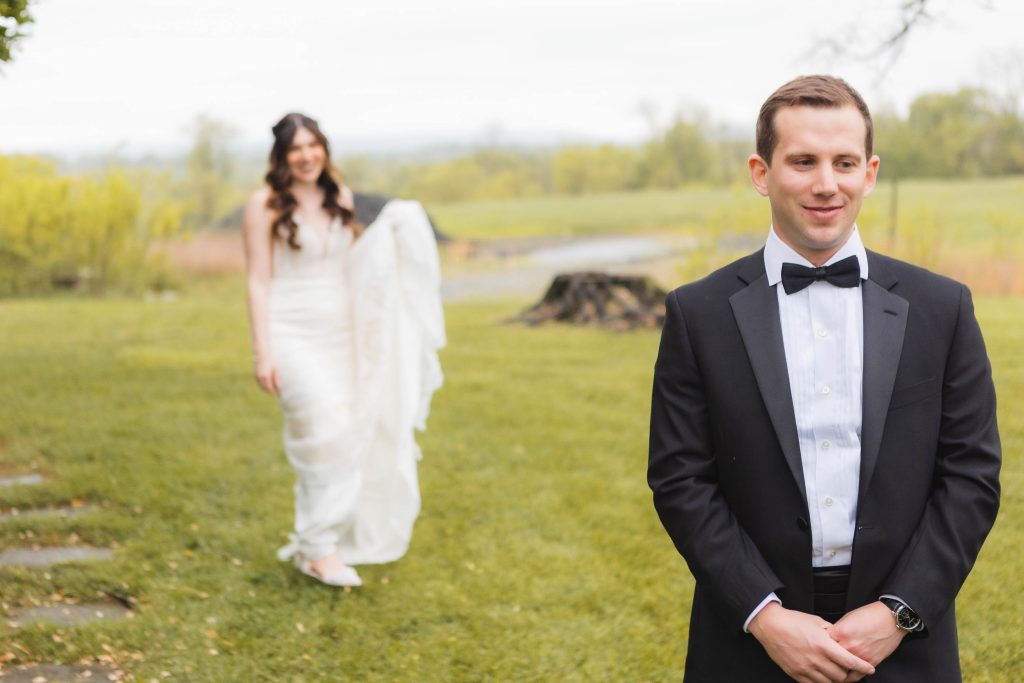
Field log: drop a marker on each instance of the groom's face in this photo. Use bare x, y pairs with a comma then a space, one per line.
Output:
817, 177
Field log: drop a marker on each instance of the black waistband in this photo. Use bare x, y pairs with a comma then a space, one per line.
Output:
830, 585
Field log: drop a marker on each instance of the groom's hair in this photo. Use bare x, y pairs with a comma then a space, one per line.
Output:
809, 91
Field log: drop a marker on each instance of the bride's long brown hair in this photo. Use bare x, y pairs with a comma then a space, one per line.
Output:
281, 201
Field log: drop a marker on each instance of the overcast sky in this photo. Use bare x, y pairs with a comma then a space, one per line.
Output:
387, 74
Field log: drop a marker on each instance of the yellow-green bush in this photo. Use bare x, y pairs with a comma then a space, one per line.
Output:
89, 232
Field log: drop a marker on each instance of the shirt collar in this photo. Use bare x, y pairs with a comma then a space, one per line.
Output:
777, 252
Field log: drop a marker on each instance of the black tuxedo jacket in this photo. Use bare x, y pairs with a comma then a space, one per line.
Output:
728, 484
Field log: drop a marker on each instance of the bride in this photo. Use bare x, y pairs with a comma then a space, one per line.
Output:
346, 322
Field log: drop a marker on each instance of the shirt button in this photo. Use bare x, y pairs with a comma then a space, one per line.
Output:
831, 554
828, 502
825, 445
826, 390
822, 332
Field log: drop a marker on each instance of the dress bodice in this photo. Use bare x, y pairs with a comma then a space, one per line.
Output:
316, 258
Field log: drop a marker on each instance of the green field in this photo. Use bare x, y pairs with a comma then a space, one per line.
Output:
538, 556
971, 230
964, 210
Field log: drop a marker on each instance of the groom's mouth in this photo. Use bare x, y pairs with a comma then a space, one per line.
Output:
823, 212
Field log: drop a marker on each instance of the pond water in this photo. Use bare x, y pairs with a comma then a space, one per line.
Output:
602, 251
529, 272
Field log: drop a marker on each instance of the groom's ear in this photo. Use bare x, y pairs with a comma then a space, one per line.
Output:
871, 173
758, 174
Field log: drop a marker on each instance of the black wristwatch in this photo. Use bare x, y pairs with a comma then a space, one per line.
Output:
906, 618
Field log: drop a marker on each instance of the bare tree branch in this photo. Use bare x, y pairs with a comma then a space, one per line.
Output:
850, 43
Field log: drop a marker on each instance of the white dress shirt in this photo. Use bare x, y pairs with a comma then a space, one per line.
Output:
823, 335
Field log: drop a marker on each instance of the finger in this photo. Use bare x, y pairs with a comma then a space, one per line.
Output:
853, 677
849, 661
275, 380
831, 671
817, 677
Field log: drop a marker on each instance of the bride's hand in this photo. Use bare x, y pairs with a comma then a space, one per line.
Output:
266, 375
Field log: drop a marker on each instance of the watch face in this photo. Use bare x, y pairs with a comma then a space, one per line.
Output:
907, 619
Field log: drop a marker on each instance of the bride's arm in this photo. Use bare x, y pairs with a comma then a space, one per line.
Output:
257, 236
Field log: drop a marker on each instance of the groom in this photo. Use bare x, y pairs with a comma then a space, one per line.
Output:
824, 451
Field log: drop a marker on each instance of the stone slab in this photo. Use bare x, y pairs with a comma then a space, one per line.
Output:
68, 615
46, 513
44, 557
58, 673
30, 479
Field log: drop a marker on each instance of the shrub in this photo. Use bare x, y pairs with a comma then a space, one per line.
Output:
88, 232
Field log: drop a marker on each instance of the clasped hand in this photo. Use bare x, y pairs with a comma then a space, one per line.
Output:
811, 650
870, 632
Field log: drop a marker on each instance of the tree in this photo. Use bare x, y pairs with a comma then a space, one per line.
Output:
607, 168
89, 231
14, 17
209, 170
681, 154
967, 133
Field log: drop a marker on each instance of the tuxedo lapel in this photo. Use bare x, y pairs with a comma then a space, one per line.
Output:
756, 309
885, 323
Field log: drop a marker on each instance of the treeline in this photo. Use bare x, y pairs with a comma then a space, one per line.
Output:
966, 134
689, 150
96, 230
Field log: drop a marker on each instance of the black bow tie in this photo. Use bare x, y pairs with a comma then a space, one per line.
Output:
845, 273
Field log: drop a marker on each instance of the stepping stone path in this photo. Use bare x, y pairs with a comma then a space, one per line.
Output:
44, 513
68, 615
30, 479
53, 673
61, 615
44, 557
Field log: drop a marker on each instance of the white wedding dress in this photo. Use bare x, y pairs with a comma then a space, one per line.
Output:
354, 328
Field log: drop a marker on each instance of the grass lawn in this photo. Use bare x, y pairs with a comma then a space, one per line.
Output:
538, 556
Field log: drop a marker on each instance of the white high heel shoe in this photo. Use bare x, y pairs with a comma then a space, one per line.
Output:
346, 576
